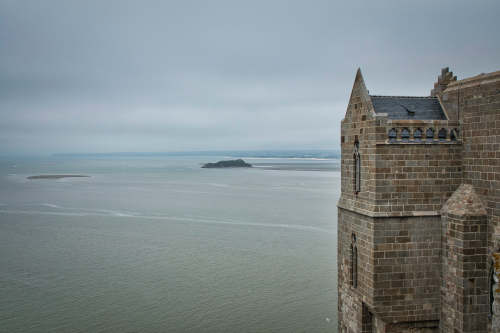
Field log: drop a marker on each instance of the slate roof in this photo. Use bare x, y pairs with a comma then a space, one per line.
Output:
403, 107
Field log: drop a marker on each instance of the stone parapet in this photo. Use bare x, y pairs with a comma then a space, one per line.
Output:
420, 132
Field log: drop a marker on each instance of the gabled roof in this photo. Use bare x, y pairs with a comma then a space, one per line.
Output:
405, 107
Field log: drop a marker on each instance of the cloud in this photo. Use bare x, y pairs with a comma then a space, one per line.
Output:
95, 76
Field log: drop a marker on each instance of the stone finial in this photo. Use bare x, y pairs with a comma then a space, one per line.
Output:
464, 202
444, 79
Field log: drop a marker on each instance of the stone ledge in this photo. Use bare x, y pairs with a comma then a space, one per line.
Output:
386, 214
426, 143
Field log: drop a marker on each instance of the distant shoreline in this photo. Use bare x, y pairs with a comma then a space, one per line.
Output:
299, 154
55, 176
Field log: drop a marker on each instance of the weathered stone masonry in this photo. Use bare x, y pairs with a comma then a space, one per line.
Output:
426, 246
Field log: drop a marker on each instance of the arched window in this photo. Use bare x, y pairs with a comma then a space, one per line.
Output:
491, 285
405, 135
357, 168
453, 135
392, 135
442, 134
354, 261
429, 134
417, 134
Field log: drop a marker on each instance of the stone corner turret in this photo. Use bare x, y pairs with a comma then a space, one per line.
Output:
464, 291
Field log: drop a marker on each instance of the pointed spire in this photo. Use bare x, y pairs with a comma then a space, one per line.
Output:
359, 77
359, 84
359, 93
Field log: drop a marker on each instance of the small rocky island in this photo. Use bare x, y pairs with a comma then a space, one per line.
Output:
55, 176
239, 163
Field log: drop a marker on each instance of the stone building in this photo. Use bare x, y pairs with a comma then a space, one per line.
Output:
419, 213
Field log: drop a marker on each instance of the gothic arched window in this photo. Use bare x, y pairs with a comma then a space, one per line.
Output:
392, 135
354, 261
429, 134
453, 135
417, 134
405, 135
357, 168
442, 134
492, 286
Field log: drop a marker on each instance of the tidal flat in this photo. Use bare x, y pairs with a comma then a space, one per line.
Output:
56, 176
162, 245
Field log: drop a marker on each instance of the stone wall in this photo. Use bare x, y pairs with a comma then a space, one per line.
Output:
398, 269
476, 101
407, 266
415, 179
351, 297
415, 327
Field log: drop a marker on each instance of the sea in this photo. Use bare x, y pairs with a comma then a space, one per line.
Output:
155, 243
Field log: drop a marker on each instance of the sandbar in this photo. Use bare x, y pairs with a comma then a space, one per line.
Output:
55, 176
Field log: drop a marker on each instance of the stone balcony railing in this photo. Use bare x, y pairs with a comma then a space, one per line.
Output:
422, 132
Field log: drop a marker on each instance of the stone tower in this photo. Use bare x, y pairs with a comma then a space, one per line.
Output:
416, 249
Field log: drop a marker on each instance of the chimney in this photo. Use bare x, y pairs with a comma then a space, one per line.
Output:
443, 80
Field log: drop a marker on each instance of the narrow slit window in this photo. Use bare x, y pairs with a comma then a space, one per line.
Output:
351, 268
491, 288
357, 169
354, 262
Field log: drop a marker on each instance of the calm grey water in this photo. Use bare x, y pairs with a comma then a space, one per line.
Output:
161, 245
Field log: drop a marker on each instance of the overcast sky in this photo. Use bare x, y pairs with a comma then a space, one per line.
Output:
150, 76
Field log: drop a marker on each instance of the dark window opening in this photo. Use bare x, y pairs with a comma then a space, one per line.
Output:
417, 135
342, 139
367, 320
363, 118
357, 168
354, 261
355, 267
492, 283
405, 135
442, 134
351, 268
429, 134
392, 135
453, 135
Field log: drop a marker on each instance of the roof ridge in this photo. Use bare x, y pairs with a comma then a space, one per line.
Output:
393, 96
